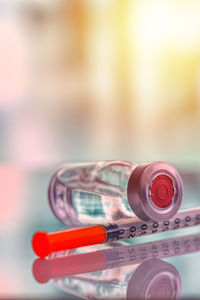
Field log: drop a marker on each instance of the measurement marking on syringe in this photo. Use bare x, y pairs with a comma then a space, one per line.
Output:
137, 228
161, 249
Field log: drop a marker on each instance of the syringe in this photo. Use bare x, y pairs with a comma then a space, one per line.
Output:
45, 243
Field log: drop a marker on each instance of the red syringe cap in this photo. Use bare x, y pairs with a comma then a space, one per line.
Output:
155, 191
40, 244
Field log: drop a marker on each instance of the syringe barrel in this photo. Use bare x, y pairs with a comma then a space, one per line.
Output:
102, 192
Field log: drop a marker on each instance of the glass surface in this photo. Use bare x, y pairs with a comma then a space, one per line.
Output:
25, 211
85, 81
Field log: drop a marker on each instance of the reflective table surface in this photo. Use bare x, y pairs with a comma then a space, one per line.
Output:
158, 266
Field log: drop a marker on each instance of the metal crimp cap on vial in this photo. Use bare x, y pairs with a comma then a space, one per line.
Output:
155, 191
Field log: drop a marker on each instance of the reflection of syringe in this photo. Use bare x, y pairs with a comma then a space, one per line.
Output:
46, 243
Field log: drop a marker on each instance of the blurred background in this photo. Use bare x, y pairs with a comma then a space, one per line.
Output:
84, 80
99, 79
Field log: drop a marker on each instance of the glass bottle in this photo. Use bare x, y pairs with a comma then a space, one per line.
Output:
102, 192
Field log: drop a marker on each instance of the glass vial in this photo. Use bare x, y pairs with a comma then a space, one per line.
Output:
102, 192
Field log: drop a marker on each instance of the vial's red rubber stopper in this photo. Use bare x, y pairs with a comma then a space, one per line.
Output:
162, 191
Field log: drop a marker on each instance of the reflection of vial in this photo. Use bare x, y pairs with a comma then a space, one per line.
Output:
152, 279
103, 192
